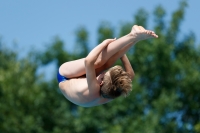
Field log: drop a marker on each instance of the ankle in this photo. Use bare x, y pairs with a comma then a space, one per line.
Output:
133, 37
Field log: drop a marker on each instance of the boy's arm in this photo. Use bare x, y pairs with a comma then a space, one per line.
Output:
89, 64
127, 66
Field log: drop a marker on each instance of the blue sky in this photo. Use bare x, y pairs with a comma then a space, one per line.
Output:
35, 23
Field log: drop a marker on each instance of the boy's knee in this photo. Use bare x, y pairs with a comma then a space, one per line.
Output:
99, 62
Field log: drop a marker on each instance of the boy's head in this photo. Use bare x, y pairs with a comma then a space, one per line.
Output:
116, 83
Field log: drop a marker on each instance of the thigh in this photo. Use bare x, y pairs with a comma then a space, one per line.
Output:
72, 69
110, 63
104, 61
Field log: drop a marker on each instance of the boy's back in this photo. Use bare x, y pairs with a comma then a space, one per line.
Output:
76, 90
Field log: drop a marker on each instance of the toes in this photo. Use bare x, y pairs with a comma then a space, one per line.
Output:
151, 33
148, 32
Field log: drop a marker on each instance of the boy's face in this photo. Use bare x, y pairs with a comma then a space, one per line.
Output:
101, 76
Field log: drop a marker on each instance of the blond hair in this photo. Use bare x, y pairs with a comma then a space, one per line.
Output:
116, 84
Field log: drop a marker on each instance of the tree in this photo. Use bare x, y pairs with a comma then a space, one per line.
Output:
82, 48
28, 102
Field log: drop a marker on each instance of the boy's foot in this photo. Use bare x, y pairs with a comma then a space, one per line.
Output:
140, 33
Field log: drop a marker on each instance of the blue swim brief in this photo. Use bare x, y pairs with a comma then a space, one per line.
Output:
61, 78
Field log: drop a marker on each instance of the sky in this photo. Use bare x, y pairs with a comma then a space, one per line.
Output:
34, 24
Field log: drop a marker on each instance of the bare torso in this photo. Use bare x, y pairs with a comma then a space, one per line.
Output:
76, 90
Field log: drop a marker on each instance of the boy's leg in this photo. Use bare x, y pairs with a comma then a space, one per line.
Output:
107, 58
77, 68
72, 69
112, 60
99, 69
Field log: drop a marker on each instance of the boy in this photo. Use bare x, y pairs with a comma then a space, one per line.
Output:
100, 86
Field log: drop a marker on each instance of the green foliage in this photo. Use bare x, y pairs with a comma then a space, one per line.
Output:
82, 48
105, 31
165, 96
55, 51
27, 105
141, 18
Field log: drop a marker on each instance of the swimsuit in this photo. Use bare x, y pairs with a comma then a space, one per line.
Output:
61, 78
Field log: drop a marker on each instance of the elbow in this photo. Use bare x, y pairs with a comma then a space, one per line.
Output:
87, 61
